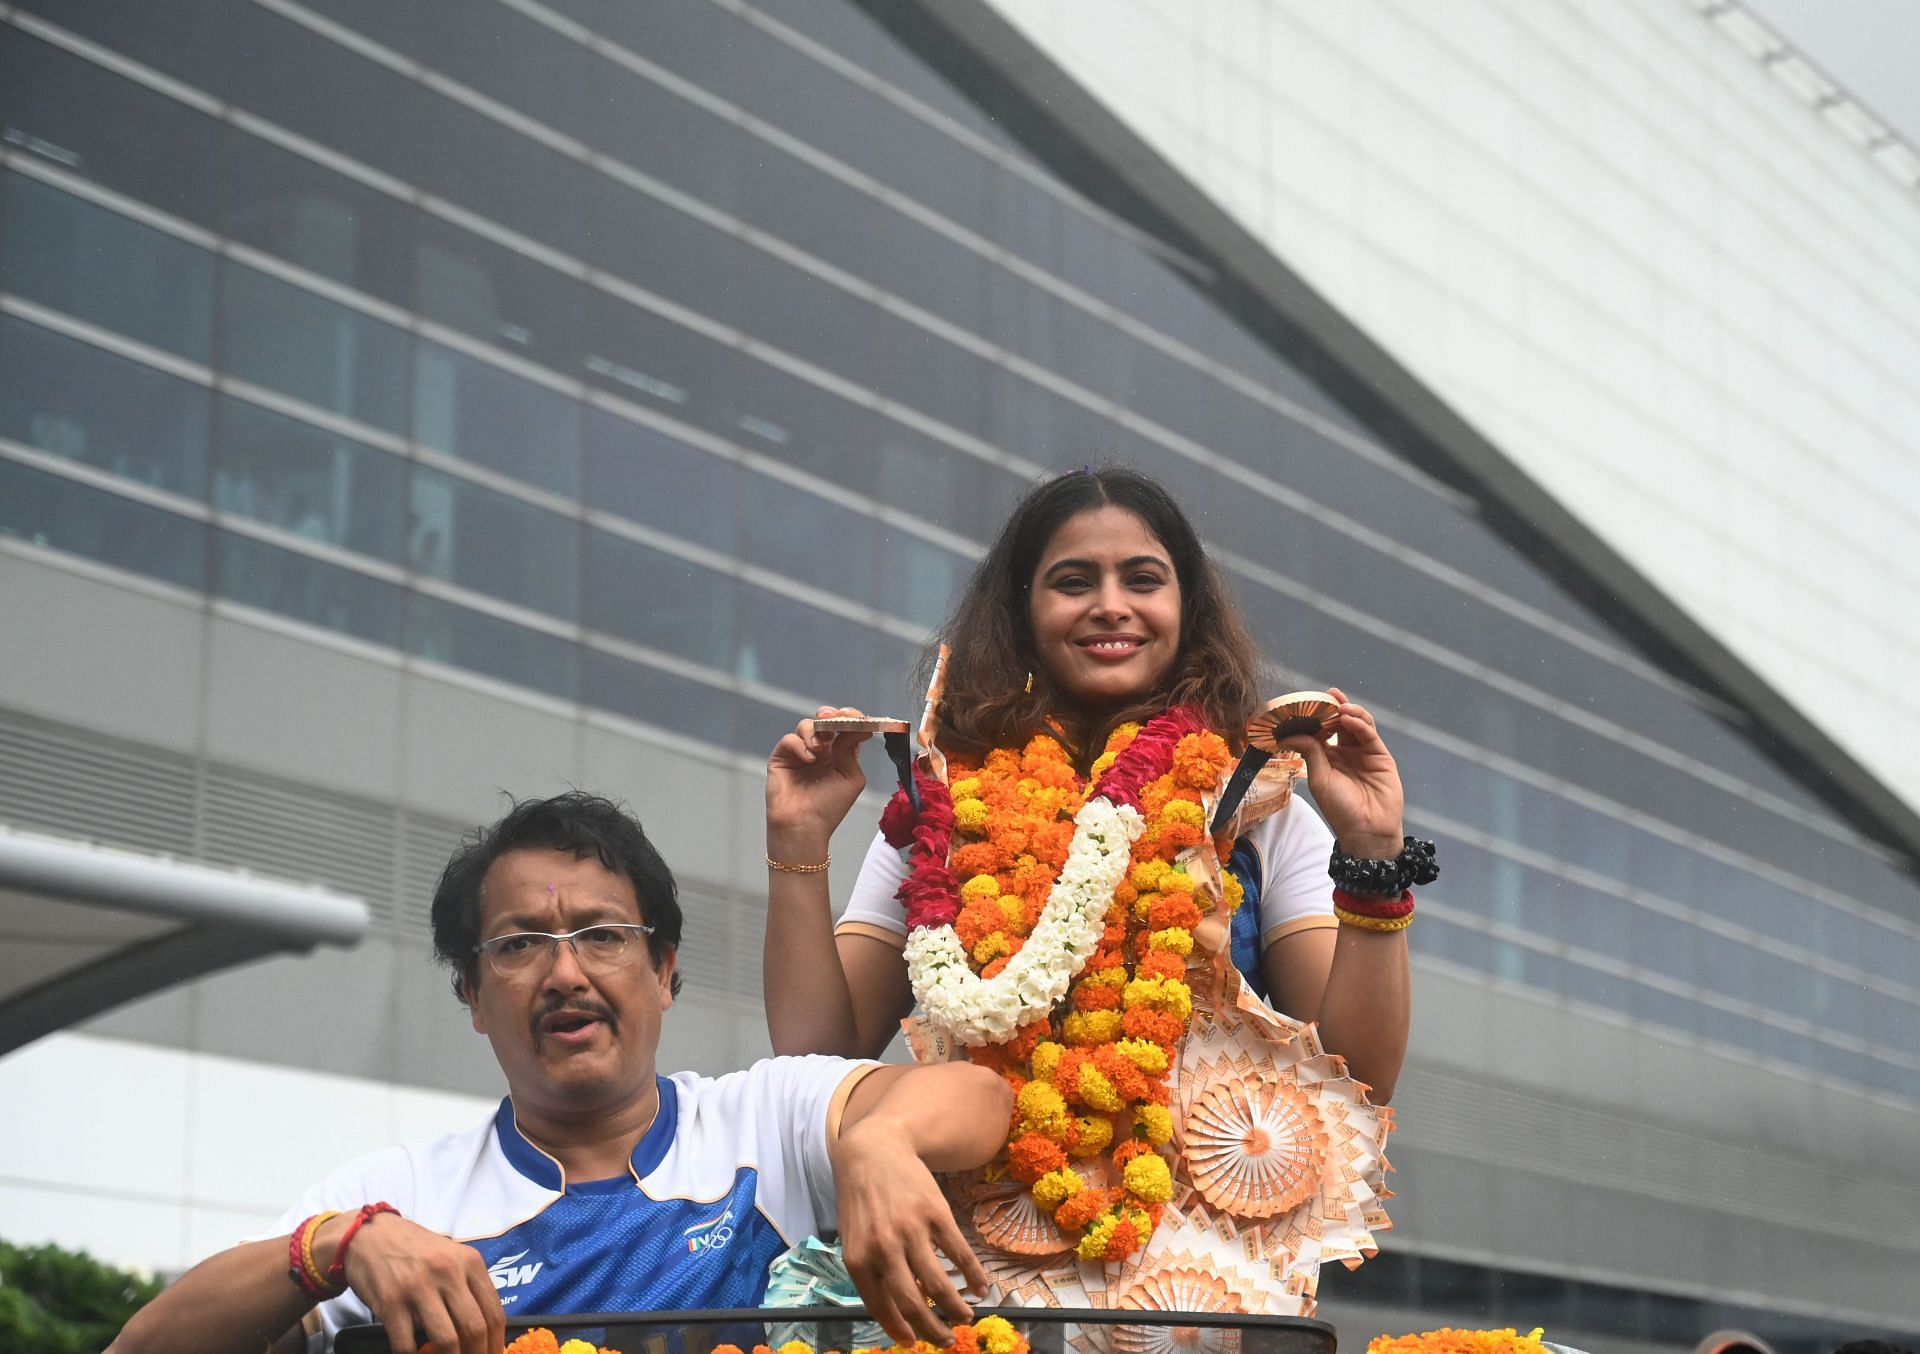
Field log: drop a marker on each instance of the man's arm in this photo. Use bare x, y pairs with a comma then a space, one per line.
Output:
422, 1285
902, 1124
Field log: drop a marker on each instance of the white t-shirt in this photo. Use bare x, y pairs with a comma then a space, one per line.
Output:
1291, 848
732, 1173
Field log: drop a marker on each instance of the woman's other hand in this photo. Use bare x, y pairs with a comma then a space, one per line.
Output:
1355, 783
812, 780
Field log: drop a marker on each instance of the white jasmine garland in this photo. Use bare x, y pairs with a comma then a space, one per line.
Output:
978, 1010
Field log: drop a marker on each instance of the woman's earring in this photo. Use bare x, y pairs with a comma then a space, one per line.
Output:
1029, 683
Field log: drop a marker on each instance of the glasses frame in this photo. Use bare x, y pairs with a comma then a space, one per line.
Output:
486, 947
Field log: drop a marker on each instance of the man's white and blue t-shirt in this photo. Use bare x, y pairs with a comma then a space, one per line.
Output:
733, 1171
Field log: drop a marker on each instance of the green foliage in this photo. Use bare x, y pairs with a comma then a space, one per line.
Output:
62, 1302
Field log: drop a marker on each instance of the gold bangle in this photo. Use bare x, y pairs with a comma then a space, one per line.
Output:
784, 868
1372, 923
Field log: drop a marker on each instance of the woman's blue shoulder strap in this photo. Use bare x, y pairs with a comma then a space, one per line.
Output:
1244, 864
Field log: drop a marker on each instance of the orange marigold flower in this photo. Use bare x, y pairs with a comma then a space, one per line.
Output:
994, 968
1143, 1022
1162, 964
1123, 893
1082, 1208
1096, 996
1174, 909
1126, 1239
1174, 837
1032, 1155
972, 858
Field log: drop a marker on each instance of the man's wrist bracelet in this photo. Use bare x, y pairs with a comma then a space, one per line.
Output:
1384, 878
337, 1271
301, 1268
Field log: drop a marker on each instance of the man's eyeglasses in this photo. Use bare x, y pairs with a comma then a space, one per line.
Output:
608, 945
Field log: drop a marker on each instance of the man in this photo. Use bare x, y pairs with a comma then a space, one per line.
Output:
599, 1185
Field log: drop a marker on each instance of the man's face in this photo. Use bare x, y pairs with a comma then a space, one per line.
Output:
572, 1039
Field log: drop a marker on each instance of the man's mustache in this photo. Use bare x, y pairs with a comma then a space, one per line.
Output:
593, 1010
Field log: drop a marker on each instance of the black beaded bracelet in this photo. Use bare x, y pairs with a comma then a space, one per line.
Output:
1385, 878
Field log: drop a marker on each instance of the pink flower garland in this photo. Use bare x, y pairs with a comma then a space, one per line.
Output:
930, 891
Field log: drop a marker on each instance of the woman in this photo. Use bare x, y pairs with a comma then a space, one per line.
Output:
1096, 608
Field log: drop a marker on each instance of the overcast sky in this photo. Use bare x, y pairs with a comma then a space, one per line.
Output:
1869, 46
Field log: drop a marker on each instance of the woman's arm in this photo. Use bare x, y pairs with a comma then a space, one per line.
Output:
823, 995
1354, 982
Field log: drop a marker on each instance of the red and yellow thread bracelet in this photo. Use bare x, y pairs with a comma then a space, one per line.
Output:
337, 1272
301, 1268
1374, 913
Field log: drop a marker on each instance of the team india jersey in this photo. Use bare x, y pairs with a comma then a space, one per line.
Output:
733, 1171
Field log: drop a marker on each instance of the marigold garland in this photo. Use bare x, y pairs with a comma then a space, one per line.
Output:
1087, 1031
988, 1335
1447, 1340
540, 1340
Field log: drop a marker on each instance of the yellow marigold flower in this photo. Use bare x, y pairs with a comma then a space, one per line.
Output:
1042, 1109
578, 1347
1184, 811
1111, 977
1156, 1122
1056, 1187
1014, 911
1146, 1055
996, 1335
1173, 940
1233, 890
1160, 994
1149, 875
1091, 1027
1096, 1134
992, 948
1093, 1246
970, 815
966, 788
982, 888
793, 1347
1148, 1179
1097, 1091
1177, 881
1046, 1057
1143, 905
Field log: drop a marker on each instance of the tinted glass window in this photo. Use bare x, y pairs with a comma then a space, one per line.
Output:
69, 112
318, 351
499, 296
286, 205
641, 474
494, 544
309, 481
480, 413
52, 511
97, 266
810, 538
441, 632
650, 360
659, 600
74, 400
306, 589
662, 699
309, 84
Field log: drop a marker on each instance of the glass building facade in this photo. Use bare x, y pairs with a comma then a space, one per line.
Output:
676, 360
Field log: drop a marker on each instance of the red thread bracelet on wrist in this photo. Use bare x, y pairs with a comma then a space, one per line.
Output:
1381, 909
337, 1271
300, 1266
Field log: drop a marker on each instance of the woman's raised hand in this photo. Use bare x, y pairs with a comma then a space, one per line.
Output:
812, 780
1355, 783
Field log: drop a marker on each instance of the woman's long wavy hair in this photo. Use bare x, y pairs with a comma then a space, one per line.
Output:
987, 701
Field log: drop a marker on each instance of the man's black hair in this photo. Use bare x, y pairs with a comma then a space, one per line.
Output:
584, 826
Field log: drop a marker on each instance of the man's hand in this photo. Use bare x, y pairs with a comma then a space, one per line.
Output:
895, 1224
421, 1286
901, 1125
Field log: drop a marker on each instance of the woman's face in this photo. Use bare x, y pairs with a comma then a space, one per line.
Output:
1104, 605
